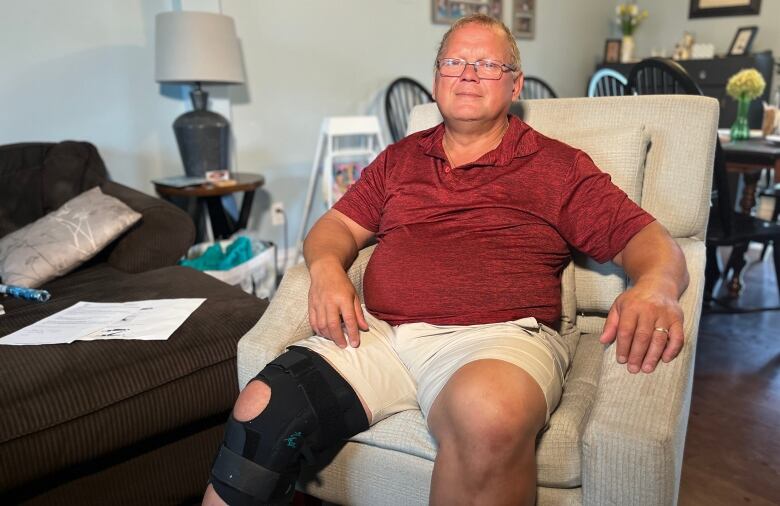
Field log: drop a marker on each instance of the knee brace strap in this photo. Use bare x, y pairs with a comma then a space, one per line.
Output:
311, 408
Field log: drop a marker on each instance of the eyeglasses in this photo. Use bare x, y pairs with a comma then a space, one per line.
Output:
485, 69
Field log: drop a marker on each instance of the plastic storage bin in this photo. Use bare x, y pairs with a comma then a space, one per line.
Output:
256, 276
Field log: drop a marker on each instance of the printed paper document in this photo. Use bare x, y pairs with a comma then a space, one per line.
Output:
91, 321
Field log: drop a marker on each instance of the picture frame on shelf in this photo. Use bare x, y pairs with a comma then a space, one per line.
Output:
612, 50
446, 12
719, 8
523, 18
743, 40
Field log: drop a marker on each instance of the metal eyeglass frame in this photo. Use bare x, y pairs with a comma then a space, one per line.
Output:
479, 64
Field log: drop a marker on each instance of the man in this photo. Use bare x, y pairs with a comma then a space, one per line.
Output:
474, 348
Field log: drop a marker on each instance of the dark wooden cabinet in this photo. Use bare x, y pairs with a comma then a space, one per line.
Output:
712, 76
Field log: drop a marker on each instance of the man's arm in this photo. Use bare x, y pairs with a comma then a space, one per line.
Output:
329, 249
657, 267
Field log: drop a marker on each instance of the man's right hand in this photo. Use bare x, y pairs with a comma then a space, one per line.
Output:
333, 301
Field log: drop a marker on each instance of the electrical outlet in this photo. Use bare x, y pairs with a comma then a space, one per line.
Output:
277, 214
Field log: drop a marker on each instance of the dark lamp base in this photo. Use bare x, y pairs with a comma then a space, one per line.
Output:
203, 137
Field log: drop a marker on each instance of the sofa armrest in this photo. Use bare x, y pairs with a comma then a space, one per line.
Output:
634, 438
159, 239
286, 320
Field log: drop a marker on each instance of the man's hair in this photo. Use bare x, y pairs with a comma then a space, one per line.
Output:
489, 22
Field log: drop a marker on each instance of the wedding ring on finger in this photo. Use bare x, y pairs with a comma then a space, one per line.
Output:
662, 329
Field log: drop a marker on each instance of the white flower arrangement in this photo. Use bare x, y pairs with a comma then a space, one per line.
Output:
629, 17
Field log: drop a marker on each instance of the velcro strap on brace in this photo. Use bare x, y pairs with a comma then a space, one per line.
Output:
335, 402
243, 474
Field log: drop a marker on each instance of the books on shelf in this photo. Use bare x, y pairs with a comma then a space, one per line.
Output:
344, 175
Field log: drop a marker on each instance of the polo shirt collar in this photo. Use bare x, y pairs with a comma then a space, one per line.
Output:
519, 140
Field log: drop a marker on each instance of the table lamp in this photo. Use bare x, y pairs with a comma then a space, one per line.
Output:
199, 47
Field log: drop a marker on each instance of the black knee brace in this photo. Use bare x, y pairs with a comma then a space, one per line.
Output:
311, 408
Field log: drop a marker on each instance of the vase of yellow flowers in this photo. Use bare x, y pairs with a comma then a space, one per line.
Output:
629, 17
744, 86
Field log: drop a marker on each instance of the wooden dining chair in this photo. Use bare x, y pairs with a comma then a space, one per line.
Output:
660, 76
402, 95
608, 83
536, 88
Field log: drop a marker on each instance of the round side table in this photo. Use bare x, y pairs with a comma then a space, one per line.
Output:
222, 224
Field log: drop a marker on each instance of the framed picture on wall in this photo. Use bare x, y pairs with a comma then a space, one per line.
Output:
523, 14
712, 8
612, 50
743, 40
446, 12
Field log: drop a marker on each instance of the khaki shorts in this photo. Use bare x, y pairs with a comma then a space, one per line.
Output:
402, 367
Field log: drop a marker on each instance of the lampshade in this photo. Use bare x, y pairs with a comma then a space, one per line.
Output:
197, 47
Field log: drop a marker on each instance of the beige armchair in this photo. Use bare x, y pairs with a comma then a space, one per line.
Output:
616, 438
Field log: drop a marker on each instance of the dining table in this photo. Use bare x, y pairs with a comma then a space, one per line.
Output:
749, 158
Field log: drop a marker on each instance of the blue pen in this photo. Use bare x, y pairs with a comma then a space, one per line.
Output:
22, 292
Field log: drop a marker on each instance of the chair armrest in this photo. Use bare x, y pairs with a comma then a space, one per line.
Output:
634, 438
159, 239
286, 320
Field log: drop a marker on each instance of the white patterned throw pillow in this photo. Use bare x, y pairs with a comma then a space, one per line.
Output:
63, 239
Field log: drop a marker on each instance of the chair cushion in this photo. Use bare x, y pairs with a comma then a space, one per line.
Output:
64, 239
559, 459
65, 405
623, 158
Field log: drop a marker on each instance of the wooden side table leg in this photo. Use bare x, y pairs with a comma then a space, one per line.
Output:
221, 223
777, 171
246, 207
736, 264
748, 201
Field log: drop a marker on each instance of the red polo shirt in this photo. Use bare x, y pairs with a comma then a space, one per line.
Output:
487, 241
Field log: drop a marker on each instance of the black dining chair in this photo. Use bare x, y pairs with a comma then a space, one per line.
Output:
402, 95
661, 76
727, 227
608, 83
534, 87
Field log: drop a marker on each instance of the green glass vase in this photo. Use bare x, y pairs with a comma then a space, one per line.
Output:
740, 130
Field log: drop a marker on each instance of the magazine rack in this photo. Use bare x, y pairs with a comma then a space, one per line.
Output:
341, 138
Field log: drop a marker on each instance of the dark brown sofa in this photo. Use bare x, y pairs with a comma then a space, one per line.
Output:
113, 422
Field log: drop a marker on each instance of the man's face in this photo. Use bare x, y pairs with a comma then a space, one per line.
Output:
469, 98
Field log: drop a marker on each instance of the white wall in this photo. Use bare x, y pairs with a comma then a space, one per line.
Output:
84, 69
669, 19
309, 59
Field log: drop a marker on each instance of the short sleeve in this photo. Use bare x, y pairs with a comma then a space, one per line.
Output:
596, 217
364, 200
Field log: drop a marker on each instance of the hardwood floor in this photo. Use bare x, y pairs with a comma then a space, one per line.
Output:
732, 449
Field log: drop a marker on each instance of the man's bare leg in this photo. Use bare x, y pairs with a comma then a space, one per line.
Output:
252, 400
485, 421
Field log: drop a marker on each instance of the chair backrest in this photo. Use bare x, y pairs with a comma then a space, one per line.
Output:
534, 88
38, 177
608, 83
680, 132
402, 95
655, 76
661, 76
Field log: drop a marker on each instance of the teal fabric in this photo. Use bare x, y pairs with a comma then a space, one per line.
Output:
214, 259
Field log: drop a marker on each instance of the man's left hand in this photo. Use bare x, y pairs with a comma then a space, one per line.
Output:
648, 325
